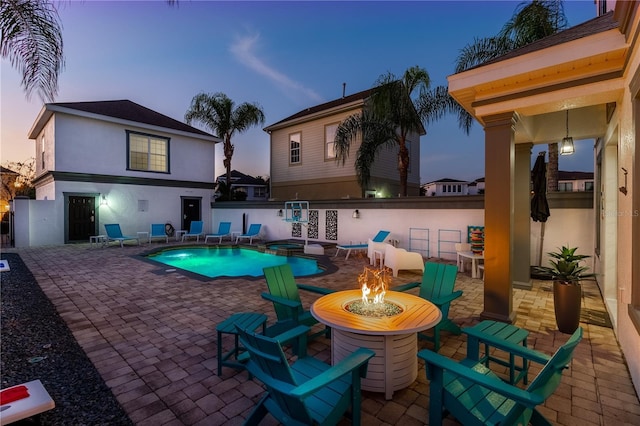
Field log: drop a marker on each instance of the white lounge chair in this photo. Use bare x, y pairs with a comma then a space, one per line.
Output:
398, 258
195, 230
158, 231
252, 232
114, 233
224, 230
372, 244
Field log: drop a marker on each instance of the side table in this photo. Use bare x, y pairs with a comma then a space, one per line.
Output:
245, 320
98, 239
491, 333
144, 234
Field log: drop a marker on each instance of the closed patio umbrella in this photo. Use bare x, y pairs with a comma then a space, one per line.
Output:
539, 204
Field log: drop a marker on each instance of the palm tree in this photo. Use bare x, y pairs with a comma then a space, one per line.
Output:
220, 115
388, 117
530, 22
31, 38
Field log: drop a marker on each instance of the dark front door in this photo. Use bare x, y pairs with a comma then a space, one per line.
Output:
82, 217
190, 211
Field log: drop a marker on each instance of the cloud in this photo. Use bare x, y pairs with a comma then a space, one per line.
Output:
243, 49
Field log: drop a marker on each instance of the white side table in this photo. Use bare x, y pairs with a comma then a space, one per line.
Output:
378, 254
144, 234
98, 239
180, 233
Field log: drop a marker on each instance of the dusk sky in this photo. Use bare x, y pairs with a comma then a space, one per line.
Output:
286, 56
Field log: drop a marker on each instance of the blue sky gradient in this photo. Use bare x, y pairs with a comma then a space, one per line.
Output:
286, 56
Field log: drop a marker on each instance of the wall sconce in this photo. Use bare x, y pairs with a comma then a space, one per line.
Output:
566, 146
356, 214
280, 213
623, 189
103, 200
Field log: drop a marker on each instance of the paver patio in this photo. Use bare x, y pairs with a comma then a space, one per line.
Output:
151, 335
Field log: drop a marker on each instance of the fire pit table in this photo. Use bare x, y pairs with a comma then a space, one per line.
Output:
391, 333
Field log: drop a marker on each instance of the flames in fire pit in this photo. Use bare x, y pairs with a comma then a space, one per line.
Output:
374, 284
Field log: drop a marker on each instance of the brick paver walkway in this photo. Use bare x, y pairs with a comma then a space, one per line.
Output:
151, 334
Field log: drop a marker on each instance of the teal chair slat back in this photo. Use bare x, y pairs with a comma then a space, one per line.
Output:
224, 228
157, 229
196, 227
254, 229
268, 363
113, 230
282, 283
438, 280
380, 236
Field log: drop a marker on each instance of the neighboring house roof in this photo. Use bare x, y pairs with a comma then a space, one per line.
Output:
594, 26
345, 100
564, 175
119, 109
446, 180
238, 178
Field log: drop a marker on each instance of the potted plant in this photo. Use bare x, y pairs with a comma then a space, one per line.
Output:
567, 273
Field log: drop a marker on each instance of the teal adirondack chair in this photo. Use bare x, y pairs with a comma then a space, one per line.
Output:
438, 281
476, 396
283, 292
307, 392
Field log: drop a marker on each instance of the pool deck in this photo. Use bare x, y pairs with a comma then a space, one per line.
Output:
151, 335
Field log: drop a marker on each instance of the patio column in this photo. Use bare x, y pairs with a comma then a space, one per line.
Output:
522, 218
499, 216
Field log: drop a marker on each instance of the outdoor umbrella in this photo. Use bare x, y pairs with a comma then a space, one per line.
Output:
539, 205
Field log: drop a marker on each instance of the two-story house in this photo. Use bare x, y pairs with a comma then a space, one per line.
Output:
303, 162
118, 162
575, 181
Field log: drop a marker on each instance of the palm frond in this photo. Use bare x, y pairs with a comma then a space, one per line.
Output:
482, 50
31, 38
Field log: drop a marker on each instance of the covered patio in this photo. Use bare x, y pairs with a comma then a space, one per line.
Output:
151, 335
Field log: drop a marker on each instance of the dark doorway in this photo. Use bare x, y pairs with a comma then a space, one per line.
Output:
190, 211
82, 218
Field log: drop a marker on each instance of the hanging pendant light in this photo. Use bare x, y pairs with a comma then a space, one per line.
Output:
566, 146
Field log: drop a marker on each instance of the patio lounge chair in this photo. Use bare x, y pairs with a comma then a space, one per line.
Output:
283, 292
373, 244
438, 282
475, 395
224, 230
157, 231
398, 258
308, 391
195, 230
114, 233
252, 232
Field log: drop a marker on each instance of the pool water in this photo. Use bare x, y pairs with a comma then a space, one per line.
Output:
231, 262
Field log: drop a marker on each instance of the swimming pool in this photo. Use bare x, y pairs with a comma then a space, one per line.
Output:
215, 262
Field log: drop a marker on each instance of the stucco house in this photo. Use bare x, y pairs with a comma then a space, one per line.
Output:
569, 181
303, 163
446, 187
592, 71
116, 162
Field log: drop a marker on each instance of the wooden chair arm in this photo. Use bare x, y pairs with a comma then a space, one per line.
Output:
356, 360
435, 361
513, 348
443, 300
405, 287
314, 289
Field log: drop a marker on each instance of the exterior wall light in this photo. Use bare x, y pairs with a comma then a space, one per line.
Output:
356, 214
566, 146
280, 213
103, 200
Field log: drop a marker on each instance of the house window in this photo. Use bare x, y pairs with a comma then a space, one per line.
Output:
294, 148
329, 138
408, 145
42, 152
588, 186
565, 186
147, 152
